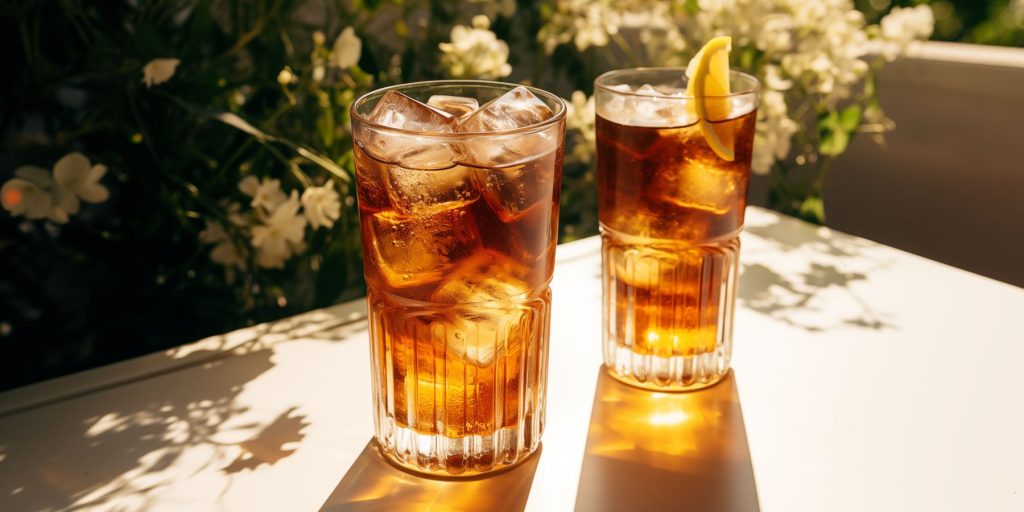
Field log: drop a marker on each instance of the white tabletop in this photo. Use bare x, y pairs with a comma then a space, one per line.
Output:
864, 378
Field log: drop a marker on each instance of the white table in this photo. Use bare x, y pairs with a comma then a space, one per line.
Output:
869, 379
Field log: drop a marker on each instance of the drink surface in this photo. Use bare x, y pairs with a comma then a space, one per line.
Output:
670, 212
458, 258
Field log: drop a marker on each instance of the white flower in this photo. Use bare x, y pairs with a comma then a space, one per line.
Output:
25, 195
475, 52
588, 23
321, 205
76, 178
346, 50
773, 134
286, 76
158, 71
265, 194
902, 26
580, 117
37, 194
280, 234
225, 252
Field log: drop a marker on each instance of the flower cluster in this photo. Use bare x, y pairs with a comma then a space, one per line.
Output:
579, 118
810, 55
475, 52
343, 54
36, 193
273, 225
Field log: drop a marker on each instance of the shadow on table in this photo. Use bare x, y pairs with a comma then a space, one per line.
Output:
807, 299
114, 447
372, 484
675, 451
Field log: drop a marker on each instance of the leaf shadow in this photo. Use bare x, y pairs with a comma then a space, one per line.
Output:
806, 298
115, 447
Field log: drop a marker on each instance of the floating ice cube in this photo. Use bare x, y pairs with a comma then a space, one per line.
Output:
420, 249
417, 190
457, 106
648, 105
514, 109
488, 276
668, 272
658, 110
511, 191
396, 110
660, 221
697, 183
493, 285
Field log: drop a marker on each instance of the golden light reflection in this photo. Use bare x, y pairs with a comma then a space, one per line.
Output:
373, 484
654, 448
681, 341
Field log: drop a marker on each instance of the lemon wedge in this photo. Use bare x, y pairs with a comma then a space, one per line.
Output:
709, 86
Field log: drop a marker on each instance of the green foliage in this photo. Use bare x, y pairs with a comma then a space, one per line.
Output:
836, 128
132, 275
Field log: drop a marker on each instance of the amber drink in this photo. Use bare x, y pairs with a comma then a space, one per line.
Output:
458, 186
671, 210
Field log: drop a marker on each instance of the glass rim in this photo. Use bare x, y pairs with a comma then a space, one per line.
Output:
599, 83
559, 114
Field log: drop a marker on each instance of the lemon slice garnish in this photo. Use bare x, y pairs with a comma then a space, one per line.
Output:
708, 85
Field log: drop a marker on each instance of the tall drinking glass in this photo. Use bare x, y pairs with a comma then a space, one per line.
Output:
458, 185
671, 211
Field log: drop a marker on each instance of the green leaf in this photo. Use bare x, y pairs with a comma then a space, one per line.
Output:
849, 118
833, 137
813, 210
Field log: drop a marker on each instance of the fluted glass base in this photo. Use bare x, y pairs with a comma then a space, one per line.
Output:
668, 310
459, 390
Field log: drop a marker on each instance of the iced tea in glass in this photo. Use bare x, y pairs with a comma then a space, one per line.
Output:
458, 186
671, 210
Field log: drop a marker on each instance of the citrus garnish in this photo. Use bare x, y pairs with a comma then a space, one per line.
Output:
709, 86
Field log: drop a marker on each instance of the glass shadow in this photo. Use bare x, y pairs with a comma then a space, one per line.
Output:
681, 451
373, 484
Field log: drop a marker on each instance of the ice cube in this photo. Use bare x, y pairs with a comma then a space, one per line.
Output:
396, 110
666, 271
417, 190
420, 249
457, 106
697, 183
514, 109
529, 236
488, 276
494, 287
648, 105
511, 191
652, 108
660, 221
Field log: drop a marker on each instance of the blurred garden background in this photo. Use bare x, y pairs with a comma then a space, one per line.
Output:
176, 169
